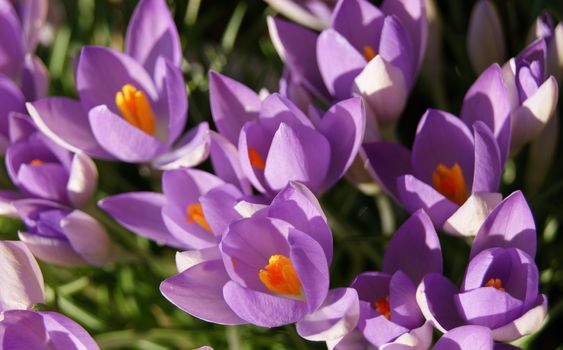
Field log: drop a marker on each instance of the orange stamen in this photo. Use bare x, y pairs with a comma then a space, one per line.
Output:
256, 159
36, 162
135, 108
450, 182
369, 53
279, 276
495, 283
195, 214
381, 305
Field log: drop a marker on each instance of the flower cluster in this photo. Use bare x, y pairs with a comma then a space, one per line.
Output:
255, 244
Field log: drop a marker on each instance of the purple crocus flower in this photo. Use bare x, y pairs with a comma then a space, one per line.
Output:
271, 269
451, 172
62, 235
23, 329
533, 95
378, 51
389, 314
314, 14
470, 338
42, 169
544, 28
22, 281
135, 110
500, 287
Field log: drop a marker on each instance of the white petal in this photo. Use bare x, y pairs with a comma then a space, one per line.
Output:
526, 324
467, 220
83, 179
189, 258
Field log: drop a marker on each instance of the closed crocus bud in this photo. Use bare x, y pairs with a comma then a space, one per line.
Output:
42, 169
22, 329
543, 28
485, 38
314, 14
20, 277
61, 235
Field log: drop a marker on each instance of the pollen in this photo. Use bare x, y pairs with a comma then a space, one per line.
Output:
495, 283
36, 162
195, 214
135, 108
369, 53
279, 276
450, 183
256, 159
381, 305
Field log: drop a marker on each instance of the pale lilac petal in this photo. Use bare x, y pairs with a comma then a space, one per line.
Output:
121, 139
466, 338
152, 34
21, 278
191, 150
469, 217
199, 292
487, 307
485, 38
190, 258
83, 179
6, 206
232, 105
52, 250
417, 339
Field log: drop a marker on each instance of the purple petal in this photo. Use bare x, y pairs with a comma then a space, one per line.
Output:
21, 126
415, 194
232, 105
488, 167
379, 330
526, 324
297, 153
11, 50
172, 96
22, 281
47, 181
251, 137
339, 63
336, 317
277, 109
487, 100
152, 34
371, 285
140, 212
192, 149
441, 138
418, 240
183, 187
412, 15
219, 207
97, 85
485, 38
435, 297
487, 307
121, 139
466, 338
6, 206
402, 301
52, 250
35, 78
389, 161
64, 121
344, 126
510, 224
199, 292
395, 47
297, 48
225, 161
65, 333
359, 22
12, 101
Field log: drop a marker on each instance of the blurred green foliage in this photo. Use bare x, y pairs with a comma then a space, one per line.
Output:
120, 304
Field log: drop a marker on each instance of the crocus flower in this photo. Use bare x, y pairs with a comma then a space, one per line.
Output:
500, 287
42, 169
21, 278
533, 95
20, 24
469, 338
133, 105
389, 314
314, 14
451, 172
62, 235
378, 53
485, 37
271, 269
544, 28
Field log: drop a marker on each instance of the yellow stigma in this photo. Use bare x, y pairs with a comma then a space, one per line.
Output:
195, 214
135, 108
450, 183
495, 283
36, 162
381, 305
279, 276
256, 159
369, 53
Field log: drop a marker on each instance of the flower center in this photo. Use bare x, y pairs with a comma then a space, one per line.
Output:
195, 214
369, 53
450, 182
381, 305
495, 283
256, 159
279, 276
36, 162
135, 108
